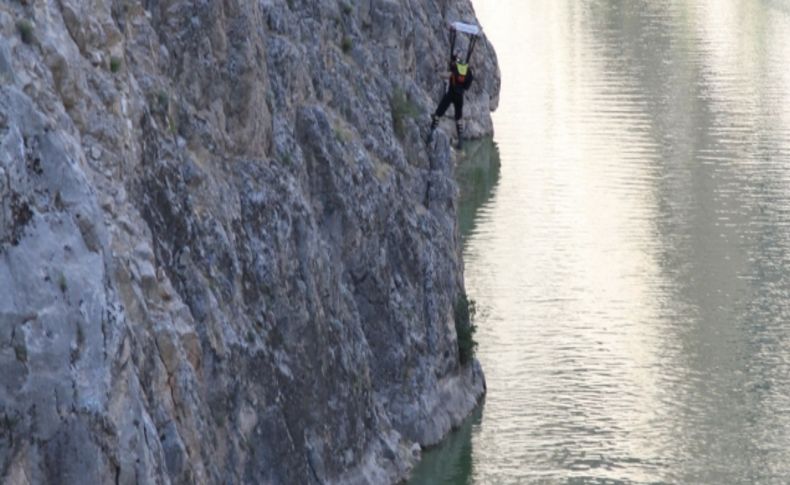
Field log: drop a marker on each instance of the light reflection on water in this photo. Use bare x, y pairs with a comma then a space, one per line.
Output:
628, 257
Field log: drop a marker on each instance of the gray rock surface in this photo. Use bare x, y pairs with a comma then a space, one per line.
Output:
226, 254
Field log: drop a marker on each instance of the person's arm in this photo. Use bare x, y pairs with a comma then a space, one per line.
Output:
452, 41
468, 80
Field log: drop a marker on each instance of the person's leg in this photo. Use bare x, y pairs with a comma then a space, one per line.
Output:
443, 105
458, 104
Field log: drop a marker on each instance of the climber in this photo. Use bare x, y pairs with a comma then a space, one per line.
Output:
460, 78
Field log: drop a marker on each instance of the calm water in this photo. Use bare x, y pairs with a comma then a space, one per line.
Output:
630, 257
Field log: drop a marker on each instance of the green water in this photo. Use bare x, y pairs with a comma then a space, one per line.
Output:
477, 174
452, 461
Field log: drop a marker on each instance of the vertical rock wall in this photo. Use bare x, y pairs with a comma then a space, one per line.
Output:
226, 254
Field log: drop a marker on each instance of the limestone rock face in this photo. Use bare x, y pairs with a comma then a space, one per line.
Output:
226, 253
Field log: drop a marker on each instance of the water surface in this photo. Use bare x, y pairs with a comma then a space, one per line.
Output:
630, 256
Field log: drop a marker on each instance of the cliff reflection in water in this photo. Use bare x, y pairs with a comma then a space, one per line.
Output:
478, 175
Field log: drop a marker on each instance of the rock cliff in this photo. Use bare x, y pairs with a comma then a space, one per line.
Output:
226, 254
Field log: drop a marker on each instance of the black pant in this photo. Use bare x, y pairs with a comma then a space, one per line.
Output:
458, 103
